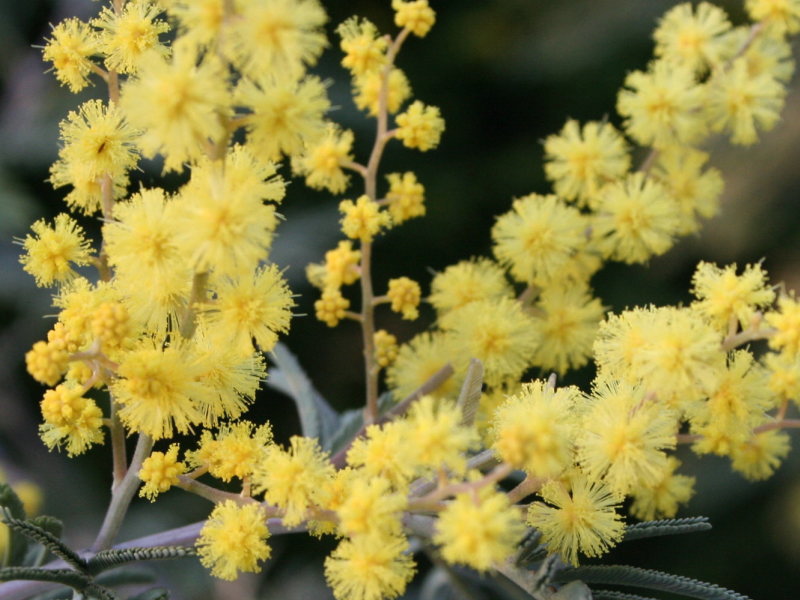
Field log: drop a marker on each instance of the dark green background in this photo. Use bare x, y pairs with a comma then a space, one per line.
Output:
505, 74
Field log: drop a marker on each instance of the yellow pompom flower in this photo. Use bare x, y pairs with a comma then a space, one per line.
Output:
740, 103
781, 15
723, 296
680, 170
140, 245
46, 363
124, 37
566, 320
583, 520
499, 334
177, 103
479, 530
201, 20
384, 452
417, 361
420, 126
331, 307
437, 437
49, 255
385, 347
784, 375
155, 390
466, 282
254, 307
286, 114
636, 219
406, 197
367, 90
416, 15
532, 430
363, 45
323, 159
70, 49
580, 160
369, 567
235, 451
619, 340
404, 294
278, 37
371, 507
159, 472
758, 457
661, 500
87, 191
537, 237
363, 219
622, 438
294, 479
112, 325
70, 419
663, 106
233, 539
786, 321
694, 36
767, 54
342, 265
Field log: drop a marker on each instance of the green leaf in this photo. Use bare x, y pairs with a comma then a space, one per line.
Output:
317, 418
17, 543
32, 531
648, 529
649, 579
106, 559
615, 595
68, 577
470, 394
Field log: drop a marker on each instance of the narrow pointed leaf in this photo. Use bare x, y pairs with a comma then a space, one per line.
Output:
67, 577
106, 559
648, 529
32, 531
470, 394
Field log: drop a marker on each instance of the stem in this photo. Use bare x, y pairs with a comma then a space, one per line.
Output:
198, 294
743, 337
526, 487
122, 495
118, 453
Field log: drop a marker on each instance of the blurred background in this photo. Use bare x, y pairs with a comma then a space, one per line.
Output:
505, 73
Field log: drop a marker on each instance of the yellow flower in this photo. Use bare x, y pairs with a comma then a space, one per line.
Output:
417, 361
177, 103
331, 307
499, 334
537, 237
406, 197
363, 219
786, 321
637, 219
780, 15
437, 437
583, 520
369, 567
758, 457
420, 126
479, 530
50, 255
532, 430
384, 452
723, 296
367, 89
124, 37
385, 347
201, 21
363, 45
694, 36
740, 103
323, 159
70, 418
661, 500
371, 507
416, 15
235, 451
579, 161
465, 282
663, 106
342, 265
784, 375
160, 471
404, 294
294, 479
233, 539
69, 49
622, 437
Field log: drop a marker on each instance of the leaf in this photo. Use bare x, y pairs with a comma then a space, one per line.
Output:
470, 394
317, 418
106, 559
648, 529
32, 531
17, 543
649, 579
68, 577
615, 595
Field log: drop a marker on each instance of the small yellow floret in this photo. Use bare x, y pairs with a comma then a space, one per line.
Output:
661, 500
780, 15
364, 47
416, 15
50, 255
786, 321
420, 126
323, 160
69, 49
723, 296
125, 36
371, 507
367, 91
342, 265
384, 452
406, 197
160, 472
758, 457
331, 307
385, 347
70, 416
437, 436
692, 35
404, 294
363, 219
233, 539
